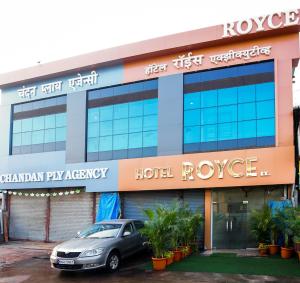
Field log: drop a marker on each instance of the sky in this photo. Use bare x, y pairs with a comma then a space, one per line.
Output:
36, 32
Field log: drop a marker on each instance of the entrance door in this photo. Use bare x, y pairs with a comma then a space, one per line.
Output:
230, 225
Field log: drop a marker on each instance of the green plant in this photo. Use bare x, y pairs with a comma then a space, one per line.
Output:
262, 246
261, 223
288, 223
168, 254
156, 230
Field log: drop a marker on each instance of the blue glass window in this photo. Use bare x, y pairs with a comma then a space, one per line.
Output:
227, 131
209, 98
92, 144
192, 100
265, 91
125, 127
120, 142
93, 130
39, 129
49, 135
150, 106
121, 111
135, 140
192, 117
136, 108
94, 115
265, 109
246, 93
227, 96
106, 113
246, 111
105, 143
247, 129
149, 138
49, 121
191, 134
227, 113
238, 115
209, 115
106, 128
209, 133
120, 126
265, 127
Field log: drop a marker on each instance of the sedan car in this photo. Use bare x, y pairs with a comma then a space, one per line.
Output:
103, 244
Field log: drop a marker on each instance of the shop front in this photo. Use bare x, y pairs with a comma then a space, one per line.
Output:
225, 186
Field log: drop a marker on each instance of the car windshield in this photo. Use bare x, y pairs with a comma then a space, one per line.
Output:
101, 231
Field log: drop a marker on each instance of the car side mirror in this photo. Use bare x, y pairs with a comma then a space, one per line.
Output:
126, 233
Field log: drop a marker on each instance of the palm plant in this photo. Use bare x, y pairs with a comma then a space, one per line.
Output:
261, 223
288, 222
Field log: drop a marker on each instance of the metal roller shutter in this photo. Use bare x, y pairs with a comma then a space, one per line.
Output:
27, 218
133, 203
70, 214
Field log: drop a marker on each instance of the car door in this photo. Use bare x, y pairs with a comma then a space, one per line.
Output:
138, 224
129, 239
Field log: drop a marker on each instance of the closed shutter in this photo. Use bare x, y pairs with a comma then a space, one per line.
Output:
133, 203
27, 218
70, 214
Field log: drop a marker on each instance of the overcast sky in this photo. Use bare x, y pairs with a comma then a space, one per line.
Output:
35, 31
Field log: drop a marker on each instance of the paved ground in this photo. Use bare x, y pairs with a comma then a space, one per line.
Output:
32, 265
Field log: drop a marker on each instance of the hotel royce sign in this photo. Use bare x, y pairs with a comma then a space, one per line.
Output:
272, 21
206, 169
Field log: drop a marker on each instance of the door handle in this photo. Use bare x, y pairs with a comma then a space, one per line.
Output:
227, 225
231, 225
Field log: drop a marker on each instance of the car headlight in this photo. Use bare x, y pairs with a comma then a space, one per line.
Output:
94, 252
54, 252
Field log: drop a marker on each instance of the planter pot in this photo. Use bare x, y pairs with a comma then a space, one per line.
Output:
273, 249
177, 255
263, 251
286, 252
169, 260
159, 263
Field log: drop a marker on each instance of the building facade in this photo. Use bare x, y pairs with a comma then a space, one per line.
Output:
204, 116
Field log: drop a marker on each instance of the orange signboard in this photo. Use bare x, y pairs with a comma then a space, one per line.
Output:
250, 167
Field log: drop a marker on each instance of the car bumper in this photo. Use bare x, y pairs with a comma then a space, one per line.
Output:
84, 263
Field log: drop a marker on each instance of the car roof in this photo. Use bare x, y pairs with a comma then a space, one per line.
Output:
119, 221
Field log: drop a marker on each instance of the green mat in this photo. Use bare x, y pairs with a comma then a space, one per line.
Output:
230, 263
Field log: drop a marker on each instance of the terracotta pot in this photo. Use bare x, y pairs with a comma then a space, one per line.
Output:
273, 249
159, 263
169, 260
263, 251
286, 252
177, 255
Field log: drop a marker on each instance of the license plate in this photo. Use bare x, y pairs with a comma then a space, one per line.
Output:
66, 261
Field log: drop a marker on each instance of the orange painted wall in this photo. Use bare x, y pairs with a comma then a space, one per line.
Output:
277, 161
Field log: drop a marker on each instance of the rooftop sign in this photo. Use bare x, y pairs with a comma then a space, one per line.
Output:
272, 21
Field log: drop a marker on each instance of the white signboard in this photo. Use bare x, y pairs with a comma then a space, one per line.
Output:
50, 176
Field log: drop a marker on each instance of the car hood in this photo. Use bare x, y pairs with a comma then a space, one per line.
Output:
79, 244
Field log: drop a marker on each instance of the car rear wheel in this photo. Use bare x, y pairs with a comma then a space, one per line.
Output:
113, 262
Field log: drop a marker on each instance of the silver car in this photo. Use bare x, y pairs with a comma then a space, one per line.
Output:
103, 244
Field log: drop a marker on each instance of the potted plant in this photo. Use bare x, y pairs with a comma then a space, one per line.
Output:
155, 230
169, 255
260, 221
263, 249
273, 247
285, 219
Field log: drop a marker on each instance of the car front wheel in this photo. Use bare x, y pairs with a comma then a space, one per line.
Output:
113, 262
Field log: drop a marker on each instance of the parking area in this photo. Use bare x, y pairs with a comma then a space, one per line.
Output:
29, 262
